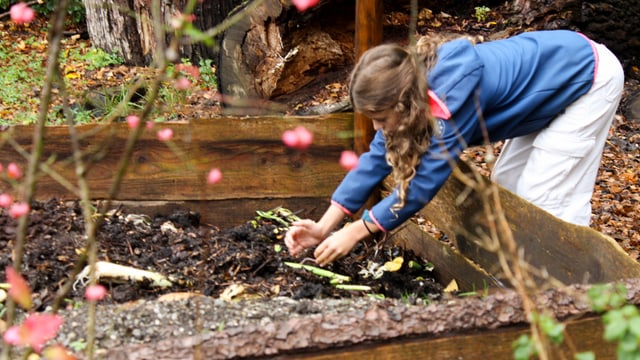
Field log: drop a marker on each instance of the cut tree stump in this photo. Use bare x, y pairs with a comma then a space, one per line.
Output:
569, 253
276, 51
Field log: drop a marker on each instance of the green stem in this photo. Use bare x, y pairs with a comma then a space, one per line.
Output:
319, 271
350, 287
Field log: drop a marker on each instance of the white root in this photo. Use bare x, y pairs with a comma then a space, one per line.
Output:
106, 270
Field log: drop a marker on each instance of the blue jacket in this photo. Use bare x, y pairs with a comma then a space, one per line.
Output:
520, 84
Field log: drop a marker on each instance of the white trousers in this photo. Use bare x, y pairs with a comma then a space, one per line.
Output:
556, 168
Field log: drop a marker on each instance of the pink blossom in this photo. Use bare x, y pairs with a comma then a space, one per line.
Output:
150, 125
303, 5
15, 336
13, 171
19, 209
290, 138
5, 200
133, 121
348, 160
299, 138
182, 83
214, 176
95, 292
165, 134
21, 13
192, 70
35, 331
19, 290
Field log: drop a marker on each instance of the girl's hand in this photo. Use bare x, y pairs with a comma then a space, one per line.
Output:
302, 235
336, 246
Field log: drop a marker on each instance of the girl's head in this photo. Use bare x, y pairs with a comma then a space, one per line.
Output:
388, 85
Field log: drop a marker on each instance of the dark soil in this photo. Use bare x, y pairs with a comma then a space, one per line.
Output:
196, 257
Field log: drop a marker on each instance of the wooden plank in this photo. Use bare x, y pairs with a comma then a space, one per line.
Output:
585, 334
368, 24
448, 264
249, 152
572, 254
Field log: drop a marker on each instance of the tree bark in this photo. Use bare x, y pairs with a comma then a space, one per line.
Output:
127, 27
113, 30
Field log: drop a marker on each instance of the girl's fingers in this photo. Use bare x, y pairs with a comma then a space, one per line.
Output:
304, 223
323, 255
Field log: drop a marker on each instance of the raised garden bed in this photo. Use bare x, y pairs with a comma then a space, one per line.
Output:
270, 312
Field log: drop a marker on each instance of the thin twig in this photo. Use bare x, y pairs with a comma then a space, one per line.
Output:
55, 38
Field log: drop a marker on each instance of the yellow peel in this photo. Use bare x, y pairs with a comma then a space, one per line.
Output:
394, 265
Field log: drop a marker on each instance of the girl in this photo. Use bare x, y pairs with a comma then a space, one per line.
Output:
552, 94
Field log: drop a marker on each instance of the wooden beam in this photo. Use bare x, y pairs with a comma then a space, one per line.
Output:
368, 34
249, 151
572, 254
369, 16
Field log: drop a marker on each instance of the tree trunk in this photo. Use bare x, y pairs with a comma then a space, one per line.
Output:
276, 51
127, 27
113, 31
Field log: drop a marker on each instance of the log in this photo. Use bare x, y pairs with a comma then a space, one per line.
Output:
456, 329
276, 50
569, 253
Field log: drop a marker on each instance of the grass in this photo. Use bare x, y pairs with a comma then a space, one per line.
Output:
23, 57
22, 71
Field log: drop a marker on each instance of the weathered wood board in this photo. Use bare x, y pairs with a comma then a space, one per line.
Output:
255, 164
259, 172
569, 253
586, 335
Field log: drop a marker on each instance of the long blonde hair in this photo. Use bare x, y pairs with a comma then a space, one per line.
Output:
390, 76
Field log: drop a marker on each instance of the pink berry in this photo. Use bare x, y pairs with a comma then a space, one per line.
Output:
5, 200
13, 171
299, 138
19, 209
182, 83
214, 176
290, 138
21, 13
165, 134
348, 160
303, 5
305, 137
133, 121
95, 292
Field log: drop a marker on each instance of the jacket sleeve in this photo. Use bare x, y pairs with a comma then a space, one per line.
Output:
358, 184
